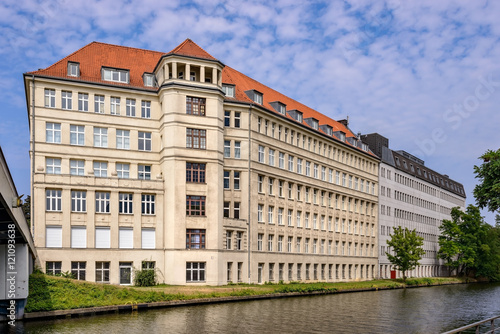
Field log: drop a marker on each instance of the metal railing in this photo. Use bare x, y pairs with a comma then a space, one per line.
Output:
478, 325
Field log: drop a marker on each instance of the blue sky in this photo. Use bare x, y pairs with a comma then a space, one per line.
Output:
425, 74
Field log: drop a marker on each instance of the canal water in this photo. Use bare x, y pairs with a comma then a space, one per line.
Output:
415, 310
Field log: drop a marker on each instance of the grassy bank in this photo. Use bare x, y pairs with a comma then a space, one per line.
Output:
48, 293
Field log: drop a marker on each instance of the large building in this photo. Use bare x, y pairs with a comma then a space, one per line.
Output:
414, 196
175, 161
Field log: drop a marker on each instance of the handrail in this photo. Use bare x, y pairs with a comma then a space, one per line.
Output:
477, 325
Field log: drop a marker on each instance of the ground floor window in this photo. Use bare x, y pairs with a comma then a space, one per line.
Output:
126, 273
195, 271
78, 270
102, 272
148, 265
53, 268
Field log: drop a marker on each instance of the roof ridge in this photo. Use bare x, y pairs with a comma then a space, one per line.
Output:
126, 47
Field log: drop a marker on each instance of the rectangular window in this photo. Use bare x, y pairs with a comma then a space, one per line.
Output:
102, 202
53, 166
125, 203
299, 166
53, 200
229, 239
53, 268
195, 271
195, 106
148, 204
100, 137
50, 98
102, 237
111, 74
290, 163
316, 171
260, 215
195, 172
78, 270
125, 237
53, 133
280, 188
78, 237
146, 109
237, 150
99, 104
148, 238
280, 216
281, 160
271, 157
195, 239
78, 201
196, 138
123, 139
260, 237
261, 154
227, 178
144, 172
260, 181
144, 141
123, 170
239, 238
236, 210
77, 134
66, 100
226, 209
308, 168
299, 215
290, 214
270, 238
53, 236
237, 119
271, 185
76, 167
73, 69
227, 149
195, 205
227, 118
236, 180
270, 215
130, 107
115, 106
102, 272
100, 169
289, 244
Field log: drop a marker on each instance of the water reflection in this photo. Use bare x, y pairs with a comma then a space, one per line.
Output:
422, 310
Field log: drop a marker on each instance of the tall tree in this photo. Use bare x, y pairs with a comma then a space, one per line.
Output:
487, 192
462, 239
407, 248
26, 206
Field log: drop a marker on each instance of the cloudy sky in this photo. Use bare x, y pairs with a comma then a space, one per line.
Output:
425, 74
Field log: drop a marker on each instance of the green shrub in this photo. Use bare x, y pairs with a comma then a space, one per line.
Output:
146, 277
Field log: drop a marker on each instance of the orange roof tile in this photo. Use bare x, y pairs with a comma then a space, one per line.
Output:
191, 49
96, 55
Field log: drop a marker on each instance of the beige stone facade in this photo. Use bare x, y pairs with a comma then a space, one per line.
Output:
189, 177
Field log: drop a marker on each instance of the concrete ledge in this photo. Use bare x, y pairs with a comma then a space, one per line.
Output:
90, 311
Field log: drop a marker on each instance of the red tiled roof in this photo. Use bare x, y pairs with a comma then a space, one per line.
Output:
191, 49
95, 55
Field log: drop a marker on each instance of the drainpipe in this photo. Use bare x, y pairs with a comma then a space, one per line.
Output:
249, 238
32, 216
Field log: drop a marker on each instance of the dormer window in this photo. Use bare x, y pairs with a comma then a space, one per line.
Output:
228, 90
326, 129
397, 162
296, 115
364, 147
312, 122
282, 108
411, 167
340, 135
255, 96
73, 69
149, 79
111, 74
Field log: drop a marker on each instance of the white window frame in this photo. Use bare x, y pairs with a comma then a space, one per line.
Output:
146, 109
53, 133
102, 201
53, 165
53, 199
77, 134
100, 169
122, 139
100, 137
78, 201
130, 107
50, 98
83, 102
123, 170
77, 167
66, 100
